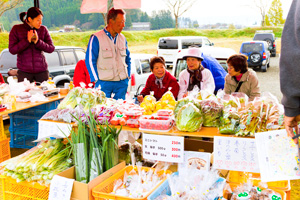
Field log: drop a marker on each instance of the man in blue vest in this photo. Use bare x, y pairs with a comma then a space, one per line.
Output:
108, 58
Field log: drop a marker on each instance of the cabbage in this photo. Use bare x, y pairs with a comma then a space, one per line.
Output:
189, 118
185, 101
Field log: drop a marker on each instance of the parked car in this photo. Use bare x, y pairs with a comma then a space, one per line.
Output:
219, 53
257, 53
269, 37
169, 47
140, 71
61, 63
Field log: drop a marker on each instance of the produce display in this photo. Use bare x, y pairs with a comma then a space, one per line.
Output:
212, 112
40, 163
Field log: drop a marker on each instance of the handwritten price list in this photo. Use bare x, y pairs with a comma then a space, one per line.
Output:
163, 148
238, 154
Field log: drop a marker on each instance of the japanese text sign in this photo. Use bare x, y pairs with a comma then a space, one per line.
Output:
60, 188
163, 148
49, 129
238, 154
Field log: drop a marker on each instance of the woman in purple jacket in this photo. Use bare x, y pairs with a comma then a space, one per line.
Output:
29, 41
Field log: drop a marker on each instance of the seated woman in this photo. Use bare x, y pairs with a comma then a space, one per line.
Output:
240, 78
195, 74
159, 81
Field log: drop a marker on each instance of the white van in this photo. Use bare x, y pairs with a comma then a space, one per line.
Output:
221, 54
140, 71
169, 47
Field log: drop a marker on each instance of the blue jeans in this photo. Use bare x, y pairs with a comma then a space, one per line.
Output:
119, 88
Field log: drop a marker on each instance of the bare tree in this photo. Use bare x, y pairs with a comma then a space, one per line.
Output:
263, 6
109, 6
178, 7
6, 5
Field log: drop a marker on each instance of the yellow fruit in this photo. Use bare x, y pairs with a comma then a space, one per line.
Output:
164, 103
172, 102
158, 105
143, 105
152, 106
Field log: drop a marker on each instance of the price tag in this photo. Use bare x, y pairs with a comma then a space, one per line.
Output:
49, 129
238, 154
60, 188
163, 148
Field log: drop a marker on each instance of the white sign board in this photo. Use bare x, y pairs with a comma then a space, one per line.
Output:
200, 160
277, 155
49, 129
60, 188
163, 148
238, 154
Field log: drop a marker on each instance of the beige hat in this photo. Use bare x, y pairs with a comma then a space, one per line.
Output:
193, 52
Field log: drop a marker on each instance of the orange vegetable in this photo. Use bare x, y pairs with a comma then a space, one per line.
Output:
122, 121
114, 121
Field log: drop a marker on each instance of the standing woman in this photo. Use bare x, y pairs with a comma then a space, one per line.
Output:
29, 41
195, 74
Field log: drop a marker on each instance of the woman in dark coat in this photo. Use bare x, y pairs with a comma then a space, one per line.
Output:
29, 41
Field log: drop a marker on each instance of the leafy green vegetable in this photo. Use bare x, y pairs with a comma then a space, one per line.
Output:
189, 118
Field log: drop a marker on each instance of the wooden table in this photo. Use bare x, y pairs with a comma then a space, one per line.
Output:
207, 132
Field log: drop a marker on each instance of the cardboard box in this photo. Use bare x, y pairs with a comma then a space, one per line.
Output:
198, 145
83, 191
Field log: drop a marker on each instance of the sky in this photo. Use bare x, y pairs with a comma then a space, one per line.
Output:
237, 12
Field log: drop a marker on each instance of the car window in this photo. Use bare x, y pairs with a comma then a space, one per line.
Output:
263, 36
206, 42
68, 58
138, 67
180, 66
186, 43
250, 47
80, 54
145, 66
168, 44
52, 59
7, 61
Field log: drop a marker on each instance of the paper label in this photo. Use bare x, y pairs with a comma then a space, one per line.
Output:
238, 154
278, 156
199, 160
60, 188
163, 148
49, 129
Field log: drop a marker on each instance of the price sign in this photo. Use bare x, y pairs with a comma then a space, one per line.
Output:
60, 188
49, 129
163, 148
238, 154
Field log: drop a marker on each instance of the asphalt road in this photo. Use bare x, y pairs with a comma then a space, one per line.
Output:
269, 81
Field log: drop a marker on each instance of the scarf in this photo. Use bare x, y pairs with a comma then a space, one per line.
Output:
195, 78
158, 81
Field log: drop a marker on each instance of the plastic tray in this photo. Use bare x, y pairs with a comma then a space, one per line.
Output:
11, 190
155, 124
103, 190
281, 192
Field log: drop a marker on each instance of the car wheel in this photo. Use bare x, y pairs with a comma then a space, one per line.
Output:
268, 65
273, 54
61, 84
255, 57
269, 42
263, 68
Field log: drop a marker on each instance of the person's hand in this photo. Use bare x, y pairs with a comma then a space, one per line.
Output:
30, 34
35, 38
140, 98
291, 124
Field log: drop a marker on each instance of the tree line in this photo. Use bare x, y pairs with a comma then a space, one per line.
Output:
58, 13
